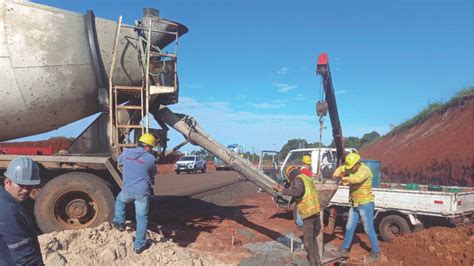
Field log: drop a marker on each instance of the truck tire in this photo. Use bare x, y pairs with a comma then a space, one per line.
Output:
195, 170
393, 226
177, 172
203, 170
74, 201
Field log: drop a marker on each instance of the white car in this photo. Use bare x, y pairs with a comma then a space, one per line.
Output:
190, 164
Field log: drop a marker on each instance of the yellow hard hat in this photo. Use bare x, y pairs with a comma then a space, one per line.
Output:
148, 139
351, 160
306, 159
289, 169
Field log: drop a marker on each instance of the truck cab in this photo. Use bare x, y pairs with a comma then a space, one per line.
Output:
327, 160
220, 165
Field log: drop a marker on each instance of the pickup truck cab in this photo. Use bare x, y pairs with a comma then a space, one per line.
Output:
324, 164
190, 164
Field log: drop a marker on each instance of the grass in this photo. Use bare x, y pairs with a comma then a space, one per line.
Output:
433, 108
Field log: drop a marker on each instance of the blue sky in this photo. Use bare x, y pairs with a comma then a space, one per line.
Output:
247, 68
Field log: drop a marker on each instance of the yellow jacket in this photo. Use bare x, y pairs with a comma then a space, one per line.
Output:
360, 183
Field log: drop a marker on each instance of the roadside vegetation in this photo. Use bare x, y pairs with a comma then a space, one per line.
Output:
433, 108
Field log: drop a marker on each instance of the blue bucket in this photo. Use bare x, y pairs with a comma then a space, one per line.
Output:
374, 166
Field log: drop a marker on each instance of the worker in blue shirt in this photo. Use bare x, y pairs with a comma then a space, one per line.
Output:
139, 170
18, 230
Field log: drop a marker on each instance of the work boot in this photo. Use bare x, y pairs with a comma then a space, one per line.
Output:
143, 248
120, 227
343, 252
374, 256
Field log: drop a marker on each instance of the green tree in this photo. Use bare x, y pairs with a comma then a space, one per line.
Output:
204, 154
291, 145
368, 138
349, 142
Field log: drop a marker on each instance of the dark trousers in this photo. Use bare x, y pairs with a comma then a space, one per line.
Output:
311, 227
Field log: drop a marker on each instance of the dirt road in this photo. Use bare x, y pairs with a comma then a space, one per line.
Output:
237, 225
189, 184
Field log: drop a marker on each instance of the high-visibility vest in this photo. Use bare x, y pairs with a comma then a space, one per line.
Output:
361, 193
308, 205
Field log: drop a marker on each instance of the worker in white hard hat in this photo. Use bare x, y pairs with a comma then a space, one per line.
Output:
18, 230
139, 170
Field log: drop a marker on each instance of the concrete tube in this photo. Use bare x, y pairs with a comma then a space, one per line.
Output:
187, 126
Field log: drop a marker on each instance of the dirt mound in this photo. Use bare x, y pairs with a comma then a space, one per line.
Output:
434, 246
104, 245
437, 151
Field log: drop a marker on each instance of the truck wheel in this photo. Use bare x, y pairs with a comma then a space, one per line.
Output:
393, 226
195, 169
177, 172
203, 170
74, 201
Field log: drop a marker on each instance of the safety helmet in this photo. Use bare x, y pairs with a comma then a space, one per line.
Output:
23, 171
289, 169
351, 160
148, 139
306, 159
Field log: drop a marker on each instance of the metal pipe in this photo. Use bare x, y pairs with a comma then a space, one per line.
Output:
188, 126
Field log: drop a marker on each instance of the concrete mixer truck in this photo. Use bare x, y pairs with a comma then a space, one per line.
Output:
57, 67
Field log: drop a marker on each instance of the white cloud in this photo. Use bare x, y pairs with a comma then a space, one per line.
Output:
283, 87
248, 128
282, 71
266, 105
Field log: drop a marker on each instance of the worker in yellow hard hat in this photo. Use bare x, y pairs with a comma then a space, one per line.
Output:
306, 167
307, 202
359, 178
139, 170
148, 139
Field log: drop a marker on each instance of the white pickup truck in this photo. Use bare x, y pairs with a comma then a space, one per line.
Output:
190, 164
398, 210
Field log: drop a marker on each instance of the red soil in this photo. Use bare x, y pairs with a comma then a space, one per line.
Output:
439, 150
256, 219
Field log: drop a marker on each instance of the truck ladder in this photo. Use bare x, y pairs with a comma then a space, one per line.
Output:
125, 99
134, 98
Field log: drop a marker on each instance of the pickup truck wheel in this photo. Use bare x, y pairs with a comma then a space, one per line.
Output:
74, 201
177, 172
203, 170
393, 226
195, 169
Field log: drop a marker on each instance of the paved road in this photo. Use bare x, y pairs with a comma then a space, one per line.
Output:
189, 184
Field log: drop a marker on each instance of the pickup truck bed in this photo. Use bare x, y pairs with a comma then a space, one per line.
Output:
399, 211
432, 203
